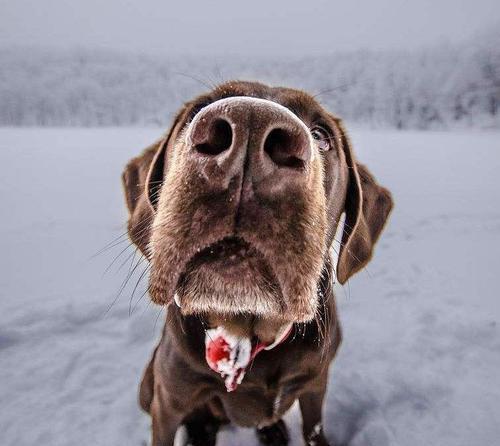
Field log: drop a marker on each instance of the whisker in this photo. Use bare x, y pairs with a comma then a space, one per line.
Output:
194, 78
108, 245
133, 254
146, 270
140, 298
157, 317
116, 258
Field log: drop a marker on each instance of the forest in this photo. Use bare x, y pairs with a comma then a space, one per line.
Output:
439, 87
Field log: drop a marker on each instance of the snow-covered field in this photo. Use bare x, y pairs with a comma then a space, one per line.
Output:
421, 357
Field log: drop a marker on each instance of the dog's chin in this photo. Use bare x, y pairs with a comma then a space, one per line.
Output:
227, 279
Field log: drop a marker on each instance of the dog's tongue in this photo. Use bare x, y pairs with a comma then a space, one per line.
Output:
230, 355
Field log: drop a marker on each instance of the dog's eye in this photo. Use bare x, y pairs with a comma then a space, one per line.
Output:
322, 138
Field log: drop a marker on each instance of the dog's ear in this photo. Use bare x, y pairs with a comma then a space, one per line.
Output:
135, 186
142, 180
367, 208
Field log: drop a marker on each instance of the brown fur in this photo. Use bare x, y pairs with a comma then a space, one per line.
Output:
181, 205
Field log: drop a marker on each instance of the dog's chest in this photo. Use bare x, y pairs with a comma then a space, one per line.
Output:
259, 402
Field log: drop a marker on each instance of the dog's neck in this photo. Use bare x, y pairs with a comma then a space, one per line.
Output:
190, 330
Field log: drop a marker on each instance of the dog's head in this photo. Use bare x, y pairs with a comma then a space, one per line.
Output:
236, 208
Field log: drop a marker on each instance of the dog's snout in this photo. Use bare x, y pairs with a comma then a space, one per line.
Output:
269, 136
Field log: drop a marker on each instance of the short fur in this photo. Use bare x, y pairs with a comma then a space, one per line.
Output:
182, 204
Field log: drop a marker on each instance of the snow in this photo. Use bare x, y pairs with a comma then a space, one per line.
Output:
232, 354
420, 358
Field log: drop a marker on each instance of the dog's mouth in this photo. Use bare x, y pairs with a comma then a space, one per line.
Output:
227, 256
229, 277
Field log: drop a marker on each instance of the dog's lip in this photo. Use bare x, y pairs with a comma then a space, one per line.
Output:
231, 256
229, 250
226, 253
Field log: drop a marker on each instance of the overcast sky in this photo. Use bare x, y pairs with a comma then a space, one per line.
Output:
252, 26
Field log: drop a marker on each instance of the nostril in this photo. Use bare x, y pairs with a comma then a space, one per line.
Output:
285, 148
219, 138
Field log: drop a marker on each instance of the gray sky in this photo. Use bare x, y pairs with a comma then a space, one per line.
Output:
253, 26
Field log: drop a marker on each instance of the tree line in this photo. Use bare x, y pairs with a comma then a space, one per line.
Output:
445, 86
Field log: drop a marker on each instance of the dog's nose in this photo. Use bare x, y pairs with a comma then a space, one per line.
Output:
212, 134
269, 136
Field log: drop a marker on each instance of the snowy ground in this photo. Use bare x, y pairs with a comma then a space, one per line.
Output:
421, 357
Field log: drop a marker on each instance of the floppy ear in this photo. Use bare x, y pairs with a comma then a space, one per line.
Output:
136, 188
142, 180
367, 207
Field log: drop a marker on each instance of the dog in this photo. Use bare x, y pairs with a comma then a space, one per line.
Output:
236, 210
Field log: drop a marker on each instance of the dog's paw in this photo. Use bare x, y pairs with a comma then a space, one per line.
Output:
316, 437
199, 434
318, 441
274, 435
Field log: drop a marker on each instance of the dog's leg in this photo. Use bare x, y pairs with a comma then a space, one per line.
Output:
202, 427
165, 421
146, 389
311, 405
274, 435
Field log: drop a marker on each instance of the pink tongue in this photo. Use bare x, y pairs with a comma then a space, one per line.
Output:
229, 355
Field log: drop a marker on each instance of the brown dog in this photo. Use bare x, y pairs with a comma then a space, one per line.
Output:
236, 210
